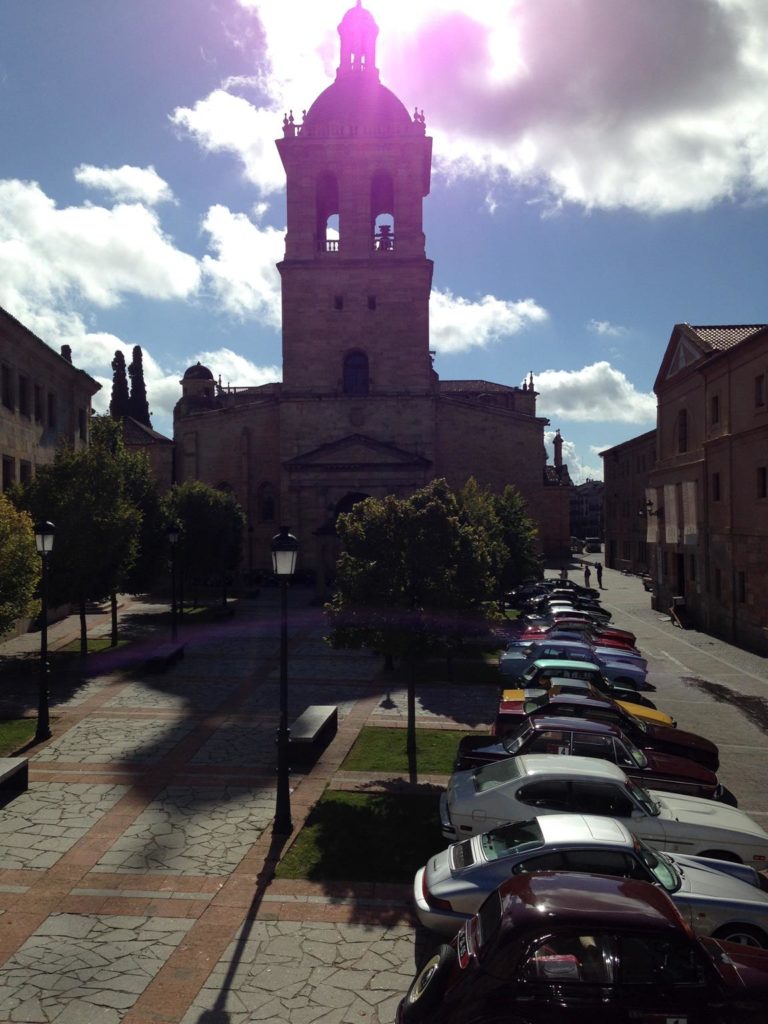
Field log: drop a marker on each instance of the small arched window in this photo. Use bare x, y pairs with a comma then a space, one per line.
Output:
356, 373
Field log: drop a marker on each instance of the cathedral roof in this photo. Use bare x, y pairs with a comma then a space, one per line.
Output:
358, 102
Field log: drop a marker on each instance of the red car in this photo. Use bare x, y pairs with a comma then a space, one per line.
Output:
559, 948
621, 637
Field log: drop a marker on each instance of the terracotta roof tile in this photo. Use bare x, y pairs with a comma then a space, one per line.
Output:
726, 336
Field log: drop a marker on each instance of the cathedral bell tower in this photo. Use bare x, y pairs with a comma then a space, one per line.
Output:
355, 277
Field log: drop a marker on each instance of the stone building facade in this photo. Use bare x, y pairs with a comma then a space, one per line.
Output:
709, 484
44, 400
626, 469
360, 410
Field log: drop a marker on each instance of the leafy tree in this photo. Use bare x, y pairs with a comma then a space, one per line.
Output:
211, 529
521, 537
511, 536
84, 495
119, 403
412, 579
138, 407
19, 564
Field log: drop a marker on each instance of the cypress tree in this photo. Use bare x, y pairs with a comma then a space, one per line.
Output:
138, 407
119, 404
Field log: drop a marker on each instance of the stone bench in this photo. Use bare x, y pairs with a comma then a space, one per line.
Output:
164, 656
313, 729
14, 775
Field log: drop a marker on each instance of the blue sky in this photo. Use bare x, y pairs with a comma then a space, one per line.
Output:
600, 174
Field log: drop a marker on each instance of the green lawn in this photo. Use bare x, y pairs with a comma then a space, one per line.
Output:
14, 733
362, 837
383, 750
96, 644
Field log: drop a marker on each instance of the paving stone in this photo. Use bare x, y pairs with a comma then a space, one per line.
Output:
107, 740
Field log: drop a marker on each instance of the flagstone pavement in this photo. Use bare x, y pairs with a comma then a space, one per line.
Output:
136, 873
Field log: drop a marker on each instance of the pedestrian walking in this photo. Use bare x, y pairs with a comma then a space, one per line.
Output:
587, 575
599, 571
564, 573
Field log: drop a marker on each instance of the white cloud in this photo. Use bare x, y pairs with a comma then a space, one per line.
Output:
223, 123
127, 184
236, 369
651, 105
594, 393
87, 252
606, 329
458, 324
242, 274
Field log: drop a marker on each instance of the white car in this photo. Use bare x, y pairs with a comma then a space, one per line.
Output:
518, 787
715, 897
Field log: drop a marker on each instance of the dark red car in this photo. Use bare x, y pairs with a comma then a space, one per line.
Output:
558, 948
607, 635
602, 709
584, 737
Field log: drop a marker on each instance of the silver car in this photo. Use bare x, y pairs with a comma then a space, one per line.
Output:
715, 897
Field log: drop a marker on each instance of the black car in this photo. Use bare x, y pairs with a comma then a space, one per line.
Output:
559, 948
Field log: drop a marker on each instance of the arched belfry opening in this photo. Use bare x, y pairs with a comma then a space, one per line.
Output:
383, 212
327, 206
355, 373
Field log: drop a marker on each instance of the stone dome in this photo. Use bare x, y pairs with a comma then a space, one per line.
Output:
198, 372
357, 101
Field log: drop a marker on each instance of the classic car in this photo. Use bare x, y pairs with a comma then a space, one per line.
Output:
556, 948
514, 662
517, 787
644, 734
718, 898
585, 738
515, 704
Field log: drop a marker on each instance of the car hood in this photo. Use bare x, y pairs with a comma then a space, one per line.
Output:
740, 967
695, 810
647, 714
682, 738
438, 869
682, 767
698, 878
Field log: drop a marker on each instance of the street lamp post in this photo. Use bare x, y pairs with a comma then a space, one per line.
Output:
44, 533
284, 551
173, 540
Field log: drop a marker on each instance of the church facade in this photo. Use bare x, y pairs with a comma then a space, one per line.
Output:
360, 410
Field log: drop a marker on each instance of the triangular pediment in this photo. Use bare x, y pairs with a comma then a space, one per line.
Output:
356, 450
684, 350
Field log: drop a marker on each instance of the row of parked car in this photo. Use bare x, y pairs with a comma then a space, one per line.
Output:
597, 869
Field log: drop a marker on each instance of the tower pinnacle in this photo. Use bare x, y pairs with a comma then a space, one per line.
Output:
358, 32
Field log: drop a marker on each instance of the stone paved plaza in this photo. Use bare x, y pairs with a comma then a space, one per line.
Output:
137, 872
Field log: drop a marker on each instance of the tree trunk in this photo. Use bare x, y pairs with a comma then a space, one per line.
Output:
83, 629
411, 733
113, 610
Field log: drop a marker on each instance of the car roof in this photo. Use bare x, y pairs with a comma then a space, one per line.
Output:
590, 700
584, 828
542, 722
564, 663
570, 766
597, 901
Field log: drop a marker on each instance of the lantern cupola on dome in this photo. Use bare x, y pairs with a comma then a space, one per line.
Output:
358, 32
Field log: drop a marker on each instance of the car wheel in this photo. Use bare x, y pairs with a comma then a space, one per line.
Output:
721, 855
428, 985
743, 934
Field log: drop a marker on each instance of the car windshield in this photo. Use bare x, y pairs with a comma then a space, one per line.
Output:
515, 741
632, 754
492, 775
659, 865
509, 839
643, 797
